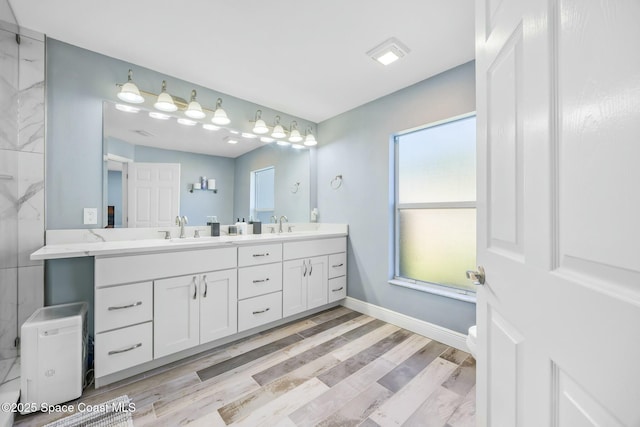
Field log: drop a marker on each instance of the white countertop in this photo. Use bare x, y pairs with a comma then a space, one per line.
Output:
64, 245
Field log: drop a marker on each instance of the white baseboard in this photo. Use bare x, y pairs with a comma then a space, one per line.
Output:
429, 330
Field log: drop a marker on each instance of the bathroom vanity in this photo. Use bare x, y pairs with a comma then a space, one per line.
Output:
157, 300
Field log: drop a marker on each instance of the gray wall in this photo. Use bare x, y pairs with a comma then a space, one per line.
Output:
291, 166
357, 145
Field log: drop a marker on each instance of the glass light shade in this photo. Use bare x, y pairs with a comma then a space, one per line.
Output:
310, 140
220, 117
186, 122
129, 93
278, 132
207, 126
260, 127
159, 116
194, 110
295, 136
165, 103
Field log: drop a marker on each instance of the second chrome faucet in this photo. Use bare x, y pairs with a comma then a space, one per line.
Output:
182, 221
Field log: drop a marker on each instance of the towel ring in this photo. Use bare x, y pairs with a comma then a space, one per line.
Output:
295, 187
336, 182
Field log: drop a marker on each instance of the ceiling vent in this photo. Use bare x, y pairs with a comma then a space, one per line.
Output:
389, 51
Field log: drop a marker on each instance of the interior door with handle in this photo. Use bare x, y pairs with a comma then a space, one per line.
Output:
558, 119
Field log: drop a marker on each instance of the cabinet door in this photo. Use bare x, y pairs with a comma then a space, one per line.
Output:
317, 282
176, 315
218, 305
294, 286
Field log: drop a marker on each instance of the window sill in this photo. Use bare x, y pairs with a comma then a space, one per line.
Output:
456, 294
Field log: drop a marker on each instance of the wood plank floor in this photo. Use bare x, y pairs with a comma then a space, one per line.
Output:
336, 368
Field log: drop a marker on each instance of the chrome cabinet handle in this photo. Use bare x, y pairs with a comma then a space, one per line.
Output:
261, 311
206, 286
261, 280
122, 307
310, 268
124, 350
304, 263
195, 288
338, 265
257, 255
337, 290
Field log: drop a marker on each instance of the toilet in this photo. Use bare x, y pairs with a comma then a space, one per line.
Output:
471, 340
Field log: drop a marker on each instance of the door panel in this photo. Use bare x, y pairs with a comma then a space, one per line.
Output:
317, 282
153, 191
218, 305
176, 315
558, 92
294, 287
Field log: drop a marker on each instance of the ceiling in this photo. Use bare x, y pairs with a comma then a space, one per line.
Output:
304, 58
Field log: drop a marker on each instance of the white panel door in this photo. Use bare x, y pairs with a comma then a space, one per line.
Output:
153, 192
558, 113
176, 317
218, 305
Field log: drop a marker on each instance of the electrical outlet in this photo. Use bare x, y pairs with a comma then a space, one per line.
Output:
90, 216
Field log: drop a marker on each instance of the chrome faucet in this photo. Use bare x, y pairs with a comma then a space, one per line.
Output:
181, 221
273, 219
281, 218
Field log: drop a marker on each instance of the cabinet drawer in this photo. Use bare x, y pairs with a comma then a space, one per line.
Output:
259, 280
337, 288
257, 311
337, 265
123, 306
123, 348
259, 254
311, 248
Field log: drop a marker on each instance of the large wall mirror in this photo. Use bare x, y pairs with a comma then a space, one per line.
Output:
164, 162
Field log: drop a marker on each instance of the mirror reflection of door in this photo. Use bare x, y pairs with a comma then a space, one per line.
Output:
116, 190
153, 191
262, 202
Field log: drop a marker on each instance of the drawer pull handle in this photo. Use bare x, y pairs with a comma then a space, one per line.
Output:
339, 289
257, 255
124, 350
338, 265
122, 307
261, 311
261, 280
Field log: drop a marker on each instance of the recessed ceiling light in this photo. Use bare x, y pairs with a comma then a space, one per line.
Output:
266, 139
127, 108
248, 135
297, 146
235, 132
207, 126
389, 51
159, 116
283, 143
232, 141
187, 122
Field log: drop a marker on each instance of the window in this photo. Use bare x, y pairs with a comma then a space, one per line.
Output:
262, 194
435, 204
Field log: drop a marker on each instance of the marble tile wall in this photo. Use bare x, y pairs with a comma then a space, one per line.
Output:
21, 182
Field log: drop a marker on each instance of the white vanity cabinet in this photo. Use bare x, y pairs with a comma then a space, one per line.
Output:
145, 307
259, 285
306, 269
193, 309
